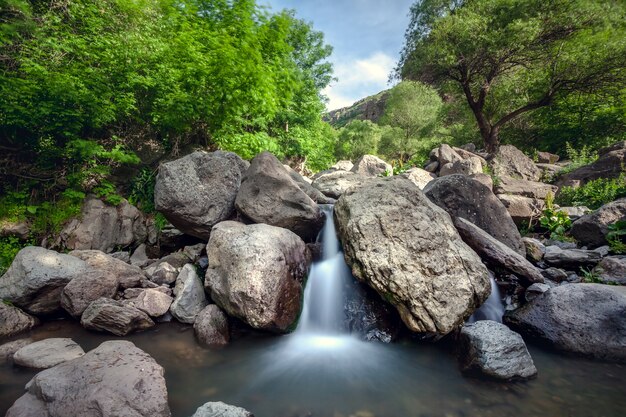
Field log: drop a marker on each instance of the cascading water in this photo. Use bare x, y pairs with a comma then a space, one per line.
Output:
492, 309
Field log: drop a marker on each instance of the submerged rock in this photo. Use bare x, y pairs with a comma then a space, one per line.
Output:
211, 327
190, 297
219, 409
114, 317
48, 353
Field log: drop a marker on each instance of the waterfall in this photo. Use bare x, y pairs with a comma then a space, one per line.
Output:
492, 309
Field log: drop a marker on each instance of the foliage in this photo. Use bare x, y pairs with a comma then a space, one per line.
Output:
593, 194
142, 190
578, 158
615, 237
590, 276
9, 247
357, 138
557, 222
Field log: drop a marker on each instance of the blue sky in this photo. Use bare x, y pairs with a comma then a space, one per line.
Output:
367, 36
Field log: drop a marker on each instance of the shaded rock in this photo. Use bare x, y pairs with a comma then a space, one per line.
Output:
524, 188
14, 321
591, 229
115, 379
432, 167
511, 162
343, 165
85, 288
7, 350
587, 319
419, 177
211, 327
610, 164
496, 254
153, 302
313, 193
369, 316
47, 353
255, 273
523, 210
123, 256
128, 276
464, 197
612, 270
268, 195
36, 277
469, 166
219, 409
198, 191
20, 230
535, 291
162, 273
547, 158
139, 257
194, 252
334, 184
534, 249
176, 259
171, 239
554, 274
190, 298
114, 317
549, 171
382, 227
570, 258
491, 349
371, 166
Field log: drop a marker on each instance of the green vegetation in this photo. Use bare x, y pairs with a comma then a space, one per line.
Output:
578, 158
593, 194
555, 221
615, 237
358, 138
590, 276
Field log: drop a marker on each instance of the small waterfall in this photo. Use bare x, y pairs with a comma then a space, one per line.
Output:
492, 309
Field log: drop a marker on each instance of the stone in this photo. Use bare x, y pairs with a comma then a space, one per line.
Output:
153, 302
128, 276
571, 258
162, 273
176, 259
211, 327
190, 298
524, 188
194, 252
587, 319
446, 155
47, 353
554, 274
369, 317
535, 291
114, 317
7, 350
139, 257
115, 379
36, 277
610, 164
104, 227
534, 249
468, 167
383, 227
466, 154
523, 210
255, 274
511, 162
198, 191
432, 167
484, 179
470, 147
334, 184
496, 254
547, 158
343, 165
464, 197
269, 195
219, 409
371, 166
490, 349
591, 229
14, 321
549, 171
612, 270
123, 256
313, 193
85, 288
20, 230
419, 177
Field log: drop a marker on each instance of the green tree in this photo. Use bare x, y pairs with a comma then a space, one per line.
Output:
357, 138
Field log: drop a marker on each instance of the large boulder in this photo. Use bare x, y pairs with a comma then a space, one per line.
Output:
115, 379
14, 321
36, 277
219, 409
511, 162
153, 302
406, 248
255, 273
419, 177
190, 298
612, 270
198, 191
335, 183
523, 210
104, 227
47, 353
85, 288
610, 164
211, 327
315, 194
524, 188
114, 317
587, 319
465, 197
470, 166
591, 229
269, 195
128, 276
371, 166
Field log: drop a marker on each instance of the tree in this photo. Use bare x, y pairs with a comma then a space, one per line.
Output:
510, 57
357, 138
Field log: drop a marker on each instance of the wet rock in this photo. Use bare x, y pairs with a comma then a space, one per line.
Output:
115, 379
535, 250
535, 291
571, 258
255, 273
523, 210
36, 277
47, 353
162, 273
198, 191
114, 317
547, 158
7, 350
491, 349
524, 188
86, 288
211, 327
14, 321
128, 276
334, 184
153, 302
219, 409
382, 226
612, 270
591, 229
190, 298
371, 166
419, 177
369, 316
511, 162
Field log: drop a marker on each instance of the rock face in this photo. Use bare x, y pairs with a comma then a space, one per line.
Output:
115, 379
198, 191
334, 184
190, 298
612, 270
255, 273
128, 276
269, 195
524, 188
48, 353
591, 229
371, 166
14, 321
511, 162
211, 327
491, 349
419, 177
36, 277
609, 165
219, 409
104, 227
85, 288
396, 241
114, 317
587, 319
464, 197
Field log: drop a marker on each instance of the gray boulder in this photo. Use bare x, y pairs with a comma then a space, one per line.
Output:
255, 273
535, 250
511, 162
445, 155
7, 350
128, 276
115, 379
85, 288
334, 184
211, 327
269, 195
571, 258
198, 191
524, 188
612, 270
591, 229
407, 249
47, 353
419, 177
114, 317
535, 291
489, 348
315, 194
36, 277
371, 166
523, 210
162, 273
343, 165
190, 298
587, 319
219, 409
153, 302
14, 321
467, 167
610, 164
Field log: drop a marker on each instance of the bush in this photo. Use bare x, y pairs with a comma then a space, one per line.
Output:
555, 221
594, 194
9, 247
583, 156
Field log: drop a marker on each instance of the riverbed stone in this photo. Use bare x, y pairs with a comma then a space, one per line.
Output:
162, 273
571, 258
14, 321
591, 229
211, 327
255, 273
612, 270
128, 276
115, 379
153, 302
114, 317
190, 298
334, 184
85, 288
220, 409
396, 241
371, 166
510, 161
47, 353
7, 350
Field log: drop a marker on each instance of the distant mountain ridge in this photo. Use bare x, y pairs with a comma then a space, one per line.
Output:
368, 108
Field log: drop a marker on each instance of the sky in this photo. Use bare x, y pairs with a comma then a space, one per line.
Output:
367, 36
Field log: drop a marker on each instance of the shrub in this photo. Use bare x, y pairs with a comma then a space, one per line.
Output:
555, 221
594, 194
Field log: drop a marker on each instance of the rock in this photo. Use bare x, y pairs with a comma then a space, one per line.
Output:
371, 166
194, 252
198, 191
466, 154
511, 162
587, 319
446, 155
219, 409
369, 316
464, 197
524, 188
523, 210
383, 226
114, 317
176, 259
123, 256
535, 291
139, 257
47, 353
570, 258
128, 276
334, 184
591, 229
610, 164
115, 379
211, 327
153, 302
104, 227
612, 270
85, 288
561, 244
554, 274
432, 167
496, 254
468, 167
313, 193
484, 179
20, 230
190, 298
255, 273
470, 147
547, 158
162, 273
491, 349
534, 249
7, 350
171, 239
36, 277
549, 171
14, 321
575, 213
419, 177
268, 195
343, 165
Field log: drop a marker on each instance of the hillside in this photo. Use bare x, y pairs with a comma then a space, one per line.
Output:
368, 108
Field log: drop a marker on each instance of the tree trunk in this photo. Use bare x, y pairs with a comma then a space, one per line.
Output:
492, 141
